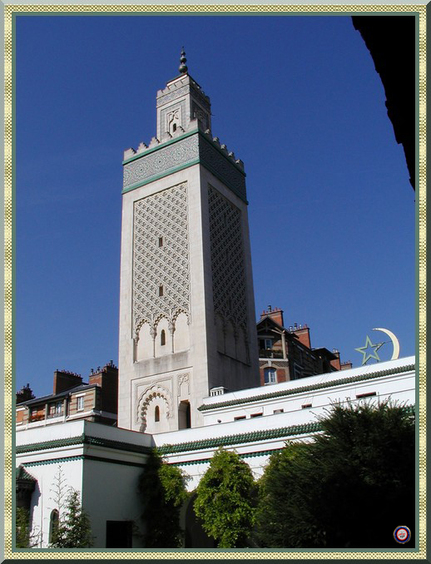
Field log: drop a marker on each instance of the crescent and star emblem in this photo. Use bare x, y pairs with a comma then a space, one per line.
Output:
369, 350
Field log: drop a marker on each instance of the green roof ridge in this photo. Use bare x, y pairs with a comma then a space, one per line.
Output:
248, 437
81, 439
241, 438
322, 385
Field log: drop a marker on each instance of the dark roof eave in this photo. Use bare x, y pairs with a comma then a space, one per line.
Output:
52, 397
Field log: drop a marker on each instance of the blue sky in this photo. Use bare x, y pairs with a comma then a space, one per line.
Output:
331, 210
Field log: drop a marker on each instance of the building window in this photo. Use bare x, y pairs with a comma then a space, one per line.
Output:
239, 417
184, 415
157, 414
268, 344
80, 403
163, 338
270, 375
366, 395
160, 290
160, 241
306, 405
119, 534
278, 411
53, 526
256, 414
58, 407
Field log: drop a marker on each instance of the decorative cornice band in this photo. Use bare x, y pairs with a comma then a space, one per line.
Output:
177, 154
310, 388
82, 440
158, 147
241, 438
161, 175
254, 436
241, 455
84, 457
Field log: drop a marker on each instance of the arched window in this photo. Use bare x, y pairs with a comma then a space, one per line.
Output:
53, 526
270, 375
157, 414
163, 337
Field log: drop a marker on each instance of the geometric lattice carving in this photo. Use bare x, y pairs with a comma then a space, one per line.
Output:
212, 159
227, 259
160, 161
161, 280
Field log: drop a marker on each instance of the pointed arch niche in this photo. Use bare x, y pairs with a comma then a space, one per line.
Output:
155, 410
144, 347
182, 333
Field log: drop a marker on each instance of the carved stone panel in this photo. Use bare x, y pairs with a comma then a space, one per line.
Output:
221, 167
161, 161
227, 259
161, 279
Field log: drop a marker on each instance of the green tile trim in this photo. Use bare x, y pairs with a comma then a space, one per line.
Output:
241, 438
188, 134
241, 455
230, 160
82, 440
23, 476
161, 175
84, 457
55, 460
199, 160
302, 389
250, 437
45, 445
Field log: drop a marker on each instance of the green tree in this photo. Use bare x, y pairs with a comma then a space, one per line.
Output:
163, 492
350, 487
225, 500
74, 529
22, 532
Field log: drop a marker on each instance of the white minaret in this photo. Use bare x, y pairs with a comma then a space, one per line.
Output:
187, 316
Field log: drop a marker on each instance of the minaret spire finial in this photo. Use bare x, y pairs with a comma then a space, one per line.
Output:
183, 67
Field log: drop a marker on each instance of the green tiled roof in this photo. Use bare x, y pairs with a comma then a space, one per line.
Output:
241, 455
23, 475
265, 434
311, 387
241, 438
81, 440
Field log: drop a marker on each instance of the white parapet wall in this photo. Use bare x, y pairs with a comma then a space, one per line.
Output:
259, 421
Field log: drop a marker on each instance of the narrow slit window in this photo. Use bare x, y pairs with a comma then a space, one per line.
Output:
366, 395
163, 337
160, 290
160, 241
157, 414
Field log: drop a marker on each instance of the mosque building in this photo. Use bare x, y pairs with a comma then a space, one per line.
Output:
194, 372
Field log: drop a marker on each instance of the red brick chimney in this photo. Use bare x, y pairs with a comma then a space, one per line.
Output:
64, 380
303, 334
336, 363
25, 393
107, 379
276, 314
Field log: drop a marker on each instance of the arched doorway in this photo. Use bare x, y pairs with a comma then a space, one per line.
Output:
195, 536
184, 415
